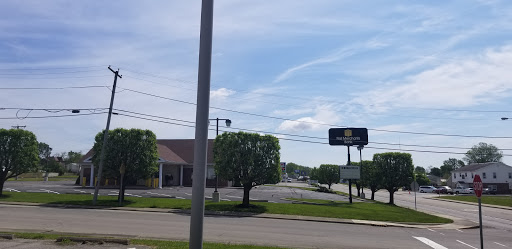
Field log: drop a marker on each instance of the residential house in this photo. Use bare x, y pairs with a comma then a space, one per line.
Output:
495, 175
175, 158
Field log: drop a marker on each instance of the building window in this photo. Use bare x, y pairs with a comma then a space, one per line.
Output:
471, 175
483, 174
509, 175
454, 176
494, 175
466, 173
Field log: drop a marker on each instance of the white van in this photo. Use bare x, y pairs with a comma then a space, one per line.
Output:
427, 189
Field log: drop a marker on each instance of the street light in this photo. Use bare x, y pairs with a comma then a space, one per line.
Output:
216, 197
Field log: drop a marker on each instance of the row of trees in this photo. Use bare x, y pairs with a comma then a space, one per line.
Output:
389, 171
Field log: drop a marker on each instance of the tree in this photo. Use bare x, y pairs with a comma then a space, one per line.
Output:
422, 179
436, 171
73, 157
371, 177
313, 175
420, 170
483, 153
396, 170
129, 155
291, 167
18, 154
328, 174
46, 164
249, 157
450, 165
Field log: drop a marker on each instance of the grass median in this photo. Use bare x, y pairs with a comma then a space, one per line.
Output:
492, 200
343, 210
157, 244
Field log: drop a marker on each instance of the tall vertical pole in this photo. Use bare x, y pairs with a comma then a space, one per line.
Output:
480, 220
201, 136
349, 180
216, 177
105, 137
361, 169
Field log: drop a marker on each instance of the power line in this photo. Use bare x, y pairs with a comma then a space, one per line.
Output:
55, 116
48, 68
317, 123
309, 99
50, 78
47, 73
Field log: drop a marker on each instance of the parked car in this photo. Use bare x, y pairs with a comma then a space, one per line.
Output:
289, 180
489, 191
461, 190
427, 189
444, 190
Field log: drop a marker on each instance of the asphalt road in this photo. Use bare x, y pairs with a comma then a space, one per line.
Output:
268, 193
425, 202
247, 230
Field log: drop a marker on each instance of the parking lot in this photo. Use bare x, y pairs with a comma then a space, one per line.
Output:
275, 194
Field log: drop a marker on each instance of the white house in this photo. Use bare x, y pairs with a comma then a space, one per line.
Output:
494, 175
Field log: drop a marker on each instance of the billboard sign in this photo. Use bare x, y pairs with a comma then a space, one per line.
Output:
349, 172
348, 136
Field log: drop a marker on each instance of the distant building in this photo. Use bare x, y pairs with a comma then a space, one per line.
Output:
495, 176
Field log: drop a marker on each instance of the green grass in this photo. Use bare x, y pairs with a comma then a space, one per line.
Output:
493, 200
343, 210
157, 244
310, 189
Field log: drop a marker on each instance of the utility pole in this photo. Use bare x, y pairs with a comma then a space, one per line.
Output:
349, 180
19, 126
105, 136
201, 136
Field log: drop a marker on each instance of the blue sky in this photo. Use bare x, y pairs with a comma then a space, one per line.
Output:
296, 68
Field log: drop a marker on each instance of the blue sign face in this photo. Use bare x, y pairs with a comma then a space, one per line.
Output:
348, 136
297, 171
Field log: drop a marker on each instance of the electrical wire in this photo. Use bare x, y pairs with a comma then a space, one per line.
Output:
55, 116
48, 68
47, 73
317, 123
50, 88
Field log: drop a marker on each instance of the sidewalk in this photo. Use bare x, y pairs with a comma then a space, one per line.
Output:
457, 223
471, 203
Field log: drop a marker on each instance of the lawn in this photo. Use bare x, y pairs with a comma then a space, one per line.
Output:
157, 244
493, 200
343, 210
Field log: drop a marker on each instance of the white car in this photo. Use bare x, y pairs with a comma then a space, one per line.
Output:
461, 190
427, 189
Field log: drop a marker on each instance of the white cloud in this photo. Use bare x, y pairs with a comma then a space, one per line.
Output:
324, 115
221, 93
460, 83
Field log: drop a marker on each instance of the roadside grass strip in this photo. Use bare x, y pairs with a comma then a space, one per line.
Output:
492, 200
328, 209
157, 244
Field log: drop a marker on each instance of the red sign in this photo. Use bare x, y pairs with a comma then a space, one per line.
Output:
478, 186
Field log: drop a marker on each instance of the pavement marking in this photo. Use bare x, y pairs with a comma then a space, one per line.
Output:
187, 194
11, 190
500, 244
470, 210
225, 200
81, 191
177, 197
459, 230
466, 244
113, 194
234, 196
441, 233
272, 201
430, 243
252, 199
430, 230
49, 191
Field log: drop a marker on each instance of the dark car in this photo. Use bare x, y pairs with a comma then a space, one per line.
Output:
489, 191
444, 190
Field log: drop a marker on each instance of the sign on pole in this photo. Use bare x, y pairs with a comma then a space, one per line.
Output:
283, 167
349, 172
478, 187
348, 136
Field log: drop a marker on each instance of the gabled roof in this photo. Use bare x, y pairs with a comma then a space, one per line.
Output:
477, 166
180, 151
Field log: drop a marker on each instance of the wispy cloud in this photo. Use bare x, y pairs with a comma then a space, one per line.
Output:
221, 93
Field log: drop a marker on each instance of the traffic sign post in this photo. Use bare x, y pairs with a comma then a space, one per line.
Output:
478, 187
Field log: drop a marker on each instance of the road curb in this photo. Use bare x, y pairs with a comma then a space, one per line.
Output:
471, 203
253, 215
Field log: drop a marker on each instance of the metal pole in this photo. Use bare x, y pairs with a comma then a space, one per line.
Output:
480, 219
361, 168
414, 184
105, 137
349, 180
216, 177
201, 136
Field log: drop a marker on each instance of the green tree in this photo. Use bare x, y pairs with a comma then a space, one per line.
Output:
371, 177
313, 175
46, 163
18, 154
436, 171
483, 153
328, 174
73, 157
291, 167
396, 170
130, 154
450, 165
420, 170
249, 157
422, 179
